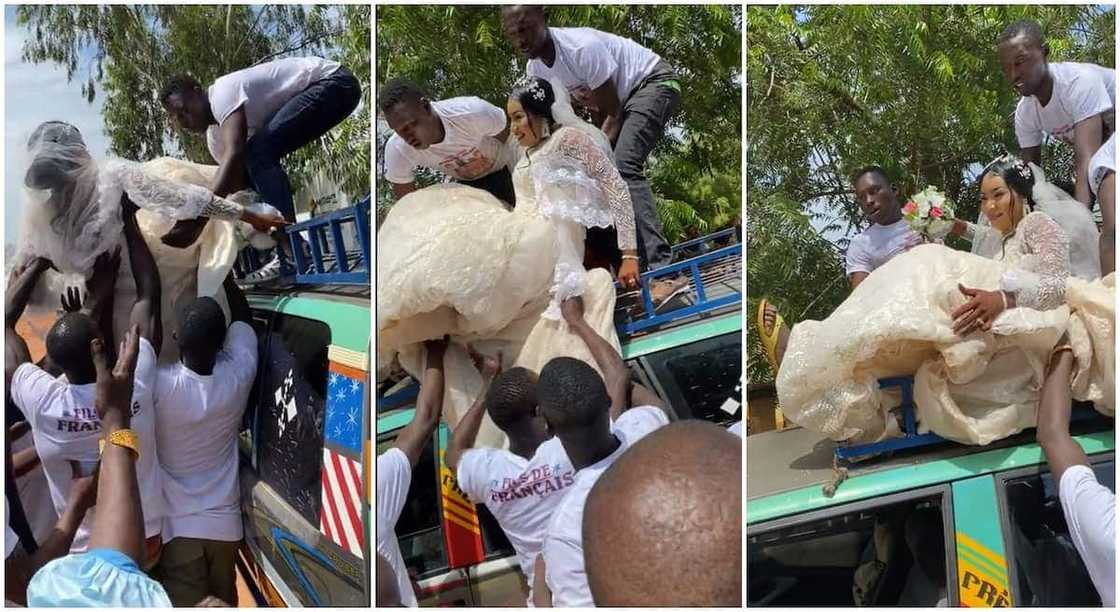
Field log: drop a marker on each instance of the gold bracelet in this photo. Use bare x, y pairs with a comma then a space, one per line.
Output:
634, 257
125, 438
1060, 348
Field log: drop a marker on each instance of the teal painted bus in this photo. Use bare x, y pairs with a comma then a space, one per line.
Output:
942, 525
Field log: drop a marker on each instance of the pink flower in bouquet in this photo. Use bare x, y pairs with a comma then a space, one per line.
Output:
910, 208
935, 212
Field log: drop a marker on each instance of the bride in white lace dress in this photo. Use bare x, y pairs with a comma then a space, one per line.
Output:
453, 260
975, 329
73, 214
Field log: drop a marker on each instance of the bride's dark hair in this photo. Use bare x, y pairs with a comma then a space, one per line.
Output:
535, 95
1016, 173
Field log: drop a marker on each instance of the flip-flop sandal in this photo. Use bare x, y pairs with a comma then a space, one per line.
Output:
769, 341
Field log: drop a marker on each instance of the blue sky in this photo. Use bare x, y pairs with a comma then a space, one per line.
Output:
34, 93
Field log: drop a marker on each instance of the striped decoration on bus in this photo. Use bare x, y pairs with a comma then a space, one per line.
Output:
340, 517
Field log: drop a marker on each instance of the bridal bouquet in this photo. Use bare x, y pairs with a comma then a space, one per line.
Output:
929, 213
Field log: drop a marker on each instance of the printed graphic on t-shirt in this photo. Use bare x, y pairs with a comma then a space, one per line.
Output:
84, 419
537, 482
469, 164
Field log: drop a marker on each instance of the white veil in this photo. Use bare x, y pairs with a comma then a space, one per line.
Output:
1073, 217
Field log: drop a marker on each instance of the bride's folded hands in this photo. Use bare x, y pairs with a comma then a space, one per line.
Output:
980, 310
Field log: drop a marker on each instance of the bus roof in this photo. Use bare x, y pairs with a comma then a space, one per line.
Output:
787, 470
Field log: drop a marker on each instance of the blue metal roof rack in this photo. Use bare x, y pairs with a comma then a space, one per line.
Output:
910, 436
332, 261
714, 276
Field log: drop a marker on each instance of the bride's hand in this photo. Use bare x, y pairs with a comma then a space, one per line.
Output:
263, 222
628, 274
978, 312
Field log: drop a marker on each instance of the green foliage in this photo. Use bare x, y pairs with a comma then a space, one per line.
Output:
127, 54
915, 89
461, 50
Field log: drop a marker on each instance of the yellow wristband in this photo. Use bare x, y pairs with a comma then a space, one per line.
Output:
125, 438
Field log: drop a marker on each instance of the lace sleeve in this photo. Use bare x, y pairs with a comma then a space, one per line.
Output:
1039, 280
170, 199
578, 146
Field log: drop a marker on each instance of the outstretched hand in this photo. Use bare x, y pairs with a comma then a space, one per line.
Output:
72, 299
978, 312
264, 222
488, 366
113, 395
572, 310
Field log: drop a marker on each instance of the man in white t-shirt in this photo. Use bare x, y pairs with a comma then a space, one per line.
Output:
394, 466
463, 138
680, 488
199, 402
591, 416
631, 93
61, 412
1102, 180
1069, 101
887, 236
255, 117
1088, 505
520, 486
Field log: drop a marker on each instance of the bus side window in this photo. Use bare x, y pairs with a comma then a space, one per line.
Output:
291, 407
1048, 569
699, 377
838, 559
419, 530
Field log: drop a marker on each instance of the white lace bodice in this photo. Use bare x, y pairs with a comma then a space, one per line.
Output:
1038, 259
171, 199
570, 177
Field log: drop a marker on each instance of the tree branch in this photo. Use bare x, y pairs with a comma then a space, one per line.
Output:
305, 43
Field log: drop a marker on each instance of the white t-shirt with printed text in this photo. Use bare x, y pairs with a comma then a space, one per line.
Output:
262, 90
1090, 511
565, 572
197, 422
1080, 91
586, 58
520, 493
394, 475
876, 245
469, 149
66, 428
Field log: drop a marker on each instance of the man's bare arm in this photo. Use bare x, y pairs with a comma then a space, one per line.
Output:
855, 278
146, 312
1087, 137
400, 190
429, 405
1061, 450
234, 132
609, 108
466, 432
1031, 154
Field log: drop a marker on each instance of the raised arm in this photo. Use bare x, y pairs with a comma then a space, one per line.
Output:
429, 404
146, 311
119, 522
234, 132
1061, 450
615, 373
238, 306
22, 283
465, 433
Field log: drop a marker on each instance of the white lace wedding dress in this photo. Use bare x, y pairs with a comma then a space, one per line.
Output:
165, 190
973, 389
453, 260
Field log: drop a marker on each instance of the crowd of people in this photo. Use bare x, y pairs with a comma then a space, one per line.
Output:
999, 339
597, 480
122, 481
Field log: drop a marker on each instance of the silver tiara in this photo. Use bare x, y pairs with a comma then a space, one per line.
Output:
533, 86
1020, 165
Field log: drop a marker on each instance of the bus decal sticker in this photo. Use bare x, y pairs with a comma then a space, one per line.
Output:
982, 574
461, 531
340, 514
342, 424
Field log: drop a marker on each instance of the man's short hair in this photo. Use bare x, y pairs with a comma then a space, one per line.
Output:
180, 85
202, 327
399, 90
68, 341
872, 169
571, 394
512, 396
1026, 27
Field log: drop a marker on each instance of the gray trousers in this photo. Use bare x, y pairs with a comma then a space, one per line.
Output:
645, 114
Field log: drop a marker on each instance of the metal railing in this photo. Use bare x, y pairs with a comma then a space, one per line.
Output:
331, 261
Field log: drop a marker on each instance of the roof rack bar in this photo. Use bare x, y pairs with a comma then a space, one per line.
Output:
339, 246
